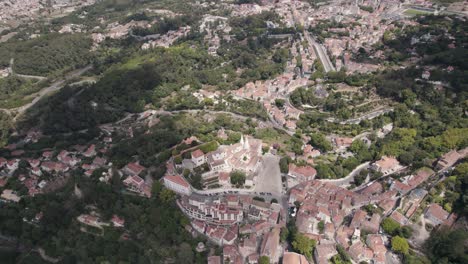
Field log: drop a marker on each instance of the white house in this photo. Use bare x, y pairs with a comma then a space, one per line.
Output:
177, 184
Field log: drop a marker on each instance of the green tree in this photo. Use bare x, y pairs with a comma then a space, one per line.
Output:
284, 234
390, 226
280, 103
264, 260
167, 195
237, 178
399, 244
284, 164
447, 246
406, 231
185, 253
321, 226
319, 141
303, 245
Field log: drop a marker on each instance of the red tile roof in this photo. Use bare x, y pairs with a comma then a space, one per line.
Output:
178, 180
135, 168
305, 171
197, 153
437, 211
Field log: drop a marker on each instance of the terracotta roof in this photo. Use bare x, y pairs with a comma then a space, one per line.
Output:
214, 260
197, 153
397, 216
305, 171
178, 180
135, 168
294, 258
343, 141
437, 211
325, 252
387, 163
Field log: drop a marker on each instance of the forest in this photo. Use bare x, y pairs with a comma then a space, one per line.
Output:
47, 54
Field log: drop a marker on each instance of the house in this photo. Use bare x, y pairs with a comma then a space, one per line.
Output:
362, 221
36, 171
198, 157
90, 152
376, 244
398, 217
224, 178
450, 158
248, 246
133, 168
62, 155
324, 252
294, 258
138, 185
387, 165
3, 181
359, 252
400, 187
436, 214
253, 258
12, 165
270, 244
199, 226
50, 166
177, 184
91, 220
99, 162
302, 173
231, 254
117, 221
10, 196
214, 260
425, 75
3, 161
34, 163
47, 154
343, 142
211, 212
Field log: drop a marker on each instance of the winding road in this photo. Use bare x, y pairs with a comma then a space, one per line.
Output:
55, 86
